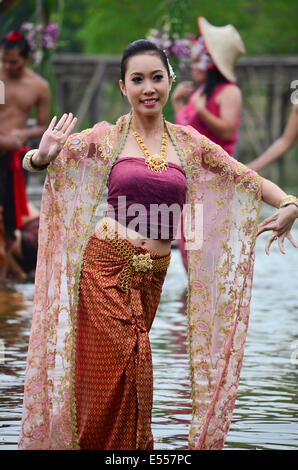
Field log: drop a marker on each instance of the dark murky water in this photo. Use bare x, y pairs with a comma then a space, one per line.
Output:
266, 412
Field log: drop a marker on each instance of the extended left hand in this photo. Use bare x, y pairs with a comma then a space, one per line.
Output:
280, 223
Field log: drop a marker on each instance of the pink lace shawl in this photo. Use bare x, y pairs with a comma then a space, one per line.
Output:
219, 287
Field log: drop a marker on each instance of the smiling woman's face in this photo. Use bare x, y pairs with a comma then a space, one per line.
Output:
147, 84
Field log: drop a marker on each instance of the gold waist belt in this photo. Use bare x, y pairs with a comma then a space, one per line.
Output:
135, 262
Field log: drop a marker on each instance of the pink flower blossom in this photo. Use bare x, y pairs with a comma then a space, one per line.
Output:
38, 35
173, 46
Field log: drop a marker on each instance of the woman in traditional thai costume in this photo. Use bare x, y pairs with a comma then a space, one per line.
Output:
214, 108
89, 369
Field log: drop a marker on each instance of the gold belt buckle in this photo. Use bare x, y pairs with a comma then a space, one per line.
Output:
142, 263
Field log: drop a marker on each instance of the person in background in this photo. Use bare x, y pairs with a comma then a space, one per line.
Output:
22, 257
24, 91
214, 108
284, 143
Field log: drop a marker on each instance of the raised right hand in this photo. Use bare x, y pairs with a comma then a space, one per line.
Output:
54, 138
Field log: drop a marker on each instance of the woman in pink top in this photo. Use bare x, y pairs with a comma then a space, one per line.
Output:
214, 109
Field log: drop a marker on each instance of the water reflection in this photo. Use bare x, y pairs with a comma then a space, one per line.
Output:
15, 313
172, 401
265, 415
266, 410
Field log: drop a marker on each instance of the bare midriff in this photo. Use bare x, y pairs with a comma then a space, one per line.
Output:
161, 247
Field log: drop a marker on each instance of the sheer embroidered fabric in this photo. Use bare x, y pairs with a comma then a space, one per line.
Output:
219, 282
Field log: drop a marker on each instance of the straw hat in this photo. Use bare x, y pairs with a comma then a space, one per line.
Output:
224, 45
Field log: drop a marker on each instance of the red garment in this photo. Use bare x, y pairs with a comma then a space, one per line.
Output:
19, 189
113, 364
188, 116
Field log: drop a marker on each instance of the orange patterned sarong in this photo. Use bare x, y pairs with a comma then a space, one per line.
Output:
118, 300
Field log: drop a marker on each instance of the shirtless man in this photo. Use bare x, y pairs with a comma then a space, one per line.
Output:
24, 91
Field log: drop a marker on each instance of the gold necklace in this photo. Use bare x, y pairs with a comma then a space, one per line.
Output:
154, 162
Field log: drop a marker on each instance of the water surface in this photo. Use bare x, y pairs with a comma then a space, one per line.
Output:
266, 411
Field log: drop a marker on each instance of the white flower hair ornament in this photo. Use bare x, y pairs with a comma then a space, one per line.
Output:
172, 73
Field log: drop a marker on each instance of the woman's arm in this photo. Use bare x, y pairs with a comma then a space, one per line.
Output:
282, 220
216, 160
281, 145
230, 102
271, 193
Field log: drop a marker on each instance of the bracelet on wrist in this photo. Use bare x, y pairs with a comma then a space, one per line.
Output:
287, 200
28, 163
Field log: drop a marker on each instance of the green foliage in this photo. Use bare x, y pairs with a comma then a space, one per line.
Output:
266, 27
107, 26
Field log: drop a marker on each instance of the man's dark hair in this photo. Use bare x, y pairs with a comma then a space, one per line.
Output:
16, 40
